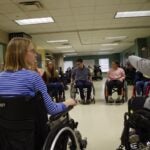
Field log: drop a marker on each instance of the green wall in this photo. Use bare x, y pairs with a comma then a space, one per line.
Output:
135, 49
95, 57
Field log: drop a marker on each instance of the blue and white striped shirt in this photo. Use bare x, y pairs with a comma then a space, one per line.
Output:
27, 82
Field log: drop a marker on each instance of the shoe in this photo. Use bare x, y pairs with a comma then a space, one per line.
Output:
110, 100
118, 101
82, 101
88, 101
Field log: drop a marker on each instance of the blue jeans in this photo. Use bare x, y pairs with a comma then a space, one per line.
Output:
84, 84
139, 87
147, 83
55, 88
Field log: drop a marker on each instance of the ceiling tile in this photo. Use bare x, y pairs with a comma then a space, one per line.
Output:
9, 8
36, 14
83, 10
133, 1
81, 3
60, 12
56, 4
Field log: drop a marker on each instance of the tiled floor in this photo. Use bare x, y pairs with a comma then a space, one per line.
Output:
102, 124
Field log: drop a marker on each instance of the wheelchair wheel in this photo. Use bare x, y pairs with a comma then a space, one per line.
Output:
106, 93
125, 92
73, 92
62, 139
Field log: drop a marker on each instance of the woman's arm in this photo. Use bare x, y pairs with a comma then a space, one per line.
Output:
141, 64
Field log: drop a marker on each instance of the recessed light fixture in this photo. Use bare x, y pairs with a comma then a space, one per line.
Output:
34, 21
127, 14
116, 38
110, 44
64, 47
57, 41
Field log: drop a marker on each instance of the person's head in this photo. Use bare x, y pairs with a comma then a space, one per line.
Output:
79, 63
20, 54
50, 66
115, 64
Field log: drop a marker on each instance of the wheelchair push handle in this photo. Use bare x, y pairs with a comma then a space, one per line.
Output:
61, 114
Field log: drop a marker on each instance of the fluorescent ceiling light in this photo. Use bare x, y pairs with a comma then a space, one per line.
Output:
57, 41
64, 47
110, 44
34, 21
133, 14
116, 37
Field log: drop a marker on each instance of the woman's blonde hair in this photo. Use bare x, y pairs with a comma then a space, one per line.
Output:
15, 54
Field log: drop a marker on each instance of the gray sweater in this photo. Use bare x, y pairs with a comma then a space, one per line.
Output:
141, 64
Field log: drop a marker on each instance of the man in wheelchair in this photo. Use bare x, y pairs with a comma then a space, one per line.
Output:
115, 78
82, 78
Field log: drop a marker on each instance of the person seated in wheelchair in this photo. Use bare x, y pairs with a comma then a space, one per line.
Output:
18, 79
54, 84
83, 79
115, 78
141, 83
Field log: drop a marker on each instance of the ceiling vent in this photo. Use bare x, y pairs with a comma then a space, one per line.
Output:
31, 5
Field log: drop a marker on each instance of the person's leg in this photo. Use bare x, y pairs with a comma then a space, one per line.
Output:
110, 85
146, 84
119, 85
79, 84
51, 89
59, 88
139, 87
88, 85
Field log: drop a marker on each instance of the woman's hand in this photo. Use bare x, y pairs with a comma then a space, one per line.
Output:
70, 102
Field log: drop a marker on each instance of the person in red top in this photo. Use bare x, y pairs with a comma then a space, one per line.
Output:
115, 77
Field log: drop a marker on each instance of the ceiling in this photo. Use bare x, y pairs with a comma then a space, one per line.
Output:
84, 23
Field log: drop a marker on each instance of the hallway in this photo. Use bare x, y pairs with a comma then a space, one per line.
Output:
102, 124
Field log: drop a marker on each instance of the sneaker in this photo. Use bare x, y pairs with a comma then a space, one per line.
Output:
82, 101
118, 100
88, 101
110, 100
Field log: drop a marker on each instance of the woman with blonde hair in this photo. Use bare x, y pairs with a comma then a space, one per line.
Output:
18, 79
54, 84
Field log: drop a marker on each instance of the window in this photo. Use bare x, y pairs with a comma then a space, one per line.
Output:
104, 63
67, 64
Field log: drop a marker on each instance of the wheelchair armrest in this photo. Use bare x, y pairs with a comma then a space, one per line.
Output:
59, 115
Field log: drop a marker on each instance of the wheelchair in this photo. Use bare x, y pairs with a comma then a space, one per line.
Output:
114, 90
136, 132
28, 115
63, 134
75, 93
